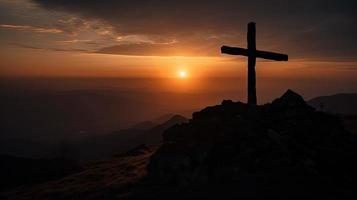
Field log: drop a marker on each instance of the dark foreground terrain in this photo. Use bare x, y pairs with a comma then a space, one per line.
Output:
285, 149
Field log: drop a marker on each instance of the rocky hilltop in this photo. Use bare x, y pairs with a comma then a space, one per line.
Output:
282, 142
285, 149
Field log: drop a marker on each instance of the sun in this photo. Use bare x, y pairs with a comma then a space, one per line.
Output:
182, 74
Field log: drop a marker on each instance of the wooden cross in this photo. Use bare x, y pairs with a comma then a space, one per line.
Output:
252, 53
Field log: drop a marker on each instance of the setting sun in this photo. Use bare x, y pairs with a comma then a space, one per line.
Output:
182, 74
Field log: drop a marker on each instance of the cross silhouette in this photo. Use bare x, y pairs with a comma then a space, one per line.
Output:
252, 53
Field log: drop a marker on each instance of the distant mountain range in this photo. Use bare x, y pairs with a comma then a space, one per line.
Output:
17, 171
40, 123
345, 104
103, 146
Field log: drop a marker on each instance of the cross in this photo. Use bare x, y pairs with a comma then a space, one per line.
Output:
252, 53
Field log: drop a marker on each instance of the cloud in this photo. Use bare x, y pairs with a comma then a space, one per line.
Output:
145, 49
71, 25
157, 16
52, 49
193, 46
75, 41
306, 28
30, 28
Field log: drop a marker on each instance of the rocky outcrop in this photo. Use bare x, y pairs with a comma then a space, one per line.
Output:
284, 140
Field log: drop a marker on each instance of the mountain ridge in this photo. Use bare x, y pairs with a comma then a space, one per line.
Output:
341, 103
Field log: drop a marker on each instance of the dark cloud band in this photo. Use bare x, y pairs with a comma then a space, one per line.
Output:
302, 28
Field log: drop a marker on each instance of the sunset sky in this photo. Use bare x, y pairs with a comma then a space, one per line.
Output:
161, 39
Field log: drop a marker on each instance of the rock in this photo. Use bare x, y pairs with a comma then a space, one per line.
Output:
276, 141
289, 98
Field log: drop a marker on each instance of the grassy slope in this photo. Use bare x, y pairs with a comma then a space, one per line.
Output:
102, 180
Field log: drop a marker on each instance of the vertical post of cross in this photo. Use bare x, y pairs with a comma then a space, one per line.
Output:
252, 96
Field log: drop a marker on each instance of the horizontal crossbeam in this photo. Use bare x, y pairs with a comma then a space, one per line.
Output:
257, 53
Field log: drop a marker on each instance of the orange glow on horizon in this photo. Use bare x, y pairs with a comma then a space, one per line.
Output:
186, 70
